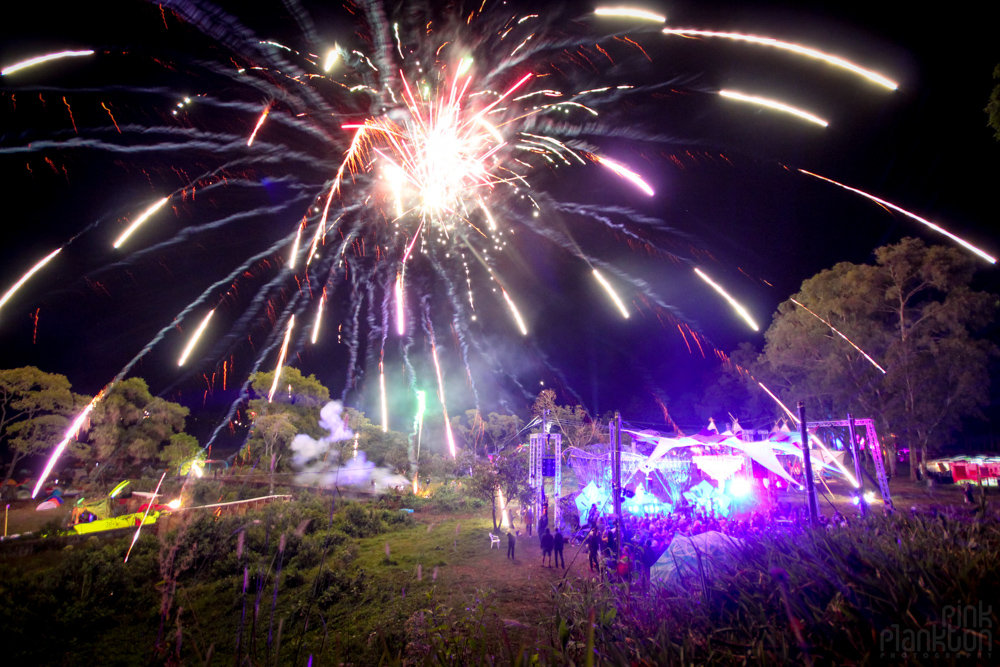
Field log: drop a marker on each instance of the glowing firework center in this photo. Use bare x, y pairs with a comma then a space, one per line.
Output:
437, 153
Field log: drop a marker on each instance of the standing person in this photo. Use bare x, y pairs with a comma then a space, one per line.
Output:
557, 543
529, 520
648, 558
511, 543
593, 547
547, 547
611, 545
592, 515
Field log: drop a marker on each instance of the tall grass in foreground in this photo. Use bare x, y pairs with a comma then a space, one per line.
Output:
801, 596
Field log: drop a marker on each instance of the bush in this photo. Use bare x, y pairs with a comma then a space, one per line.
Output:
450, 499
335, 585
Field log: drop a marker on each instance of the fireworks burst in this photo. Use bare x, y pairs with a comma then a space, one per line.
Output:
396, 185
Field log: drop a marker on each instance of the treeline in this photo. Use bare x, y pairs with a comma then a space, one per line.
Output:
129, 428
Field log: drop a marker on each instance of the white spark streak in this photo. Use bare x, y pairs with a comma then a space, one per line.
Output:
42, 59
71, 433
732, 302
819, 442
626, 173
26, 276
195, 337
319, 319
630, 13
773, 104
260, 122
794, 48
135, 538
611, 292
281, 358
141, 219
941, 230
834, 329
514, 311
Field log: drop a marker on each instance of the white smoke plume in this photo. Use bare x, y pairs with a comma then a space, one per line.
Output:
318, 460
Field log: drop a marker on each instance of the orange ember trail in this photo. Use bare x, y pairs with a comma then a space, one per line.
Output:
71, 119
112, 117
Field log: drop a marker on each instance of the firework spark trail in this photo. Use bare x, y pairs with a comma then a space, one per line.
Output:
281, 358
319, 318
834, 329
263, 297
149, 505
244, 392
625, 173
773, 104
400, 308
70, 435
32, 271
515, 312
819, 442
629, 12
941, 230
732, 302
263, 117
37, 60
611, 292
381, 360
141, 219
459, 326
295, 245
562, 241
189, 233
787, 46
202, 298
440, 381
320, 232
224, 28
194, 339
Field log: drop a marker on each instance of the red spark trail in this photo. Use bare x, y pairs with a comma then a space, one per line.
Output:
71, 119
112, 117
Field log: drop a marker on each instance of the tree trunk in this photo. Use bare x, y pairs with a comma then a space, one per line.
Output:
10, 470
893, 463
495, 512
270, 488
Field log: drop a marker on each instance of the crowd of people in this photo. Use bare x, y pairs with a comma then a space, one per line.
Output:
645, 538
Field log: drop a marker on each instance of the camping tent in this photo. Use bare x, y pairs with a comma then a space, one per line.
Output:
689, 556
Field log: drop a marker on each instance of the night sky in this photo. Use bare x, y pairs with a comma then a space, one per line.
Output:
727, 197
